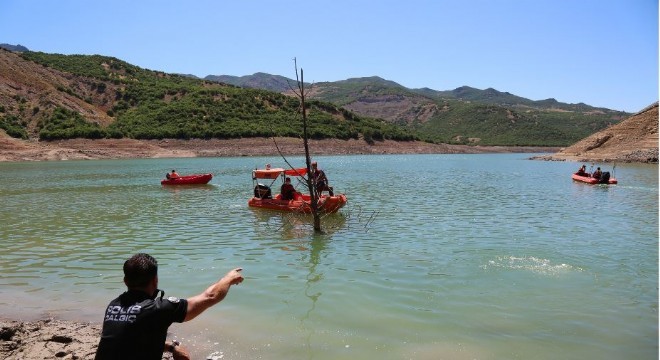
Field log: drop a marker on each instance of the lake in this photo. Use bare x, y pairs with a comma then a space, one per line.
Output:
434, 257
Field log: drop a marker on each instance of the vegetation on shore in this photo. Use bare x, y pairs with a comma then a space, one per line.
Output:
131, 102
154, 105
462, 116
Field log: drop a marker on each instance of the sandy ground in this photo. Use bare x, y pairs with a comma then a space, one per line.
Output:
48, 339
51, 339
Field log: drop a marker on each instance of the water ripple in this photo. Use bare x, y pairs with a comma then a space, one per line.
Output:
432, 252
530, 263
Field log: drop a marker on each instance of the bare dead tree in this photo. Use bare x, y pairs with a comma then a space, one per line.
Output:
300, 93
356, 217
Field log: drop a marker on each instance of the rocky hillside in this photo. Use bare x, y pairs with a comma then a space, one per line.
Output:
633, 140
30, 91
52, 96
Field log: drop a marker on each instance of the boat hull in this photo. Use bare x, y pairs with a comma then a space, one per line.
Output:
302, 204
195, 179
590, 180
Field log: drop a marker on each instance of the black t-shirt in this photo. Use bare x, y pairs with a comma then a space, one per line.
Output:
135, 326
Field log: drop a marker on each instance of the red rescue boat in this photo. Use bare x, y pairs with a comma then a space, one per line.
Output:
301, 203
592, 180
194, 179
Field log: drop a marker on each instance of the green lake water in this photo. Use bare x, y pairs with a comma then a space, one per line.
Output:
434, 257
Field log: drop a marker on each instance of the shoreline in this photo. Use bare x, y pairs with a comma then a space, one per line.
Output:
14, 150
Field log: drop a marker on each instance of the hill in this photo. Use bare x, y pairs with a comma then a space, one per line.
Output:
257, 81
461, 116
52, 96
18, 48
30, 93
633, 140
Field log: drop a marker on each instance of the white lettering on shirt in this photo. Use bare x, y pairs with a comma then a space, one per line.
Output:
119, 313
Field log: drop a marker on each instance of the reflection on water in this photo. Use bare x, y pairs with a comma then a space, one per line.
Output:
290, 225
318, 244
191, 187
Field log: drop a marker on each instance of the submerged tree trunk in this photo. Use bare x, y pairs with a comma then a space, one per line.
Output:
310, 181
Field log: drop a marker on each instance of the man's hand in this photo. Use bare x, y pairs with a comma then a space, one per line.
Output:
235, 277
180, 353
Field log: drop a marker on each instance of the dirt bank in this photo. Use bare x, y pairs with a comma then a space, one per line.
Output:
80, 149
633, 140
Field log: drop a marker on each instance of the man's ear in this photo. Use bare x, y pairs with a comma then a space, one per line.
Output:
125, 283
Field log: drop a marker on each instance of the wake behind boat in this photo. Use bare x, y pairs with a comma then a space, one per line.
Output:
299, 202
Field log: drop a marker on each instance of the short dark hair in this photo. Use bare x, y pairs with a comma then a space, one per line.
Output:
139, 270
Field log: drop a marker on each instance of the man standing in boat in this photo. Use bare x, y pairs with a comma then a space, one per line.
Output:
320, 180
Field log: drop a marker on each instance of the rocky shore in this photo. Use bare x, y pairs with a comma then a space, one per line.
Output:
51, 339
48, 339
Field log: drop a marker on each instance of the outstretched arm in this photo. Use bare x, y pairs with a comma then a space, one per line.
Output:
213, 295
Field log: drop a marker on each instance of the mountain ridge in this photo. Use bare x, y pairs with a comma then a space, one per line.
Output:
465, 92
450, 116
96, 90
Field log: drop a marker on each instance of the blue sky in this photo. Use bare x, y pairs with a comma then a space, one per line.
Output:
600, 52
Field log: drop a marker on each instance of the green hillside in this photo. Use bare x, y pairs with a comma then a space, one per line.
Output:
154, 105
464, 115
104, 97
487, 117
461, 123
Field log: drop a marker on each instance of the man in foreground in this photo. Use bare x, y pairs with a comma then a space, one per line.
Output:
135, 324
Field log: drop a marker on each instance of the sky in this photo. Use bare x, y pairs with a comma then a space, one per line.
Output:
602, 53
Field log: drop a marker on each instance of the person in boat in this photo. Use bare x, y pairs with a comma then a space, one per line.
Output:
597, 174
582, 171
135, 324
321, 181
173, 174
287, 190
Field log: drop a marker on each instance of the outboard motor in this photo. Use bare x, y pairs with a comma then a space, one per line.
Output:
262, 191
604, 178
